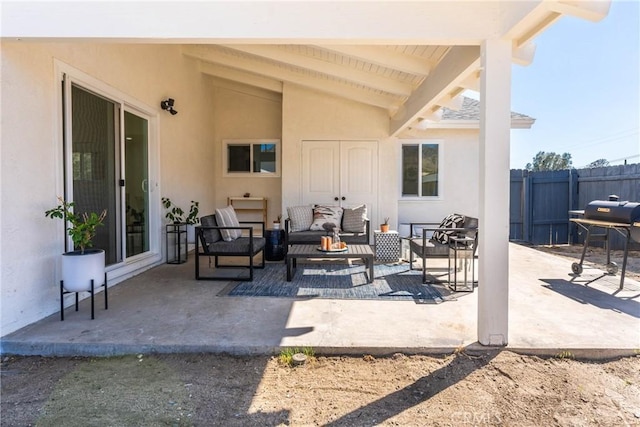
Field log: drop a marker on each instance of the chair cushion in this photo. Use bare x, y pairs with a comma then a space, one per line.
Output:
300, 217
226, 217
238, 246
431, 249
354, 219
450, 221
210, 235
326, 214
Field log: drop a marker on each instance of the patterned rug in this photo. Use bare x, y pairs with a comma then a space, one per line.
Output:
393, 282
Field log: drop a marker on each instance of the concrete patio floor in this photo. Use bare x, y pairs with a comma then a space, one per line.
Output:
165, 310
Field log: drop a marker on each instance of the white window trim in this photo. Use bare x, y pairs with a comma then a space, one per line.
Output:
441, 163
225, 163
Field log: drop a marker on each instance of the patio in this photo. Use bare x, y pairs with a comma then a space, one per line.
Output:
165, 310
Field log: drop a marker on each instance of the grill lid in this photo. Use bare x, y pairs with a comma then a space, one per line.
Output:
613, 211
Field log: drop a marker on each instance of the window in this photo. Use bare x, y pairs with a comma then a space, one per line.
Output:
244, 158
420, 169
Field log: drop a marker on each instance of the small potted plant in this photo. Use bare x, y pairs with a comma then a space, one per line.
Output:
276, 222
384, 227
81, 265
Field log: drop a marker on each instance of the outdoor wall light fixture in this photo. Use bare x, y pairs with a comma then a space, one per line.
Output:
167, 104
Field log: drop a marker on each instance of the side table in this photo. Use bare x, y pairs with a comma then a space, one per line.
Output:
461, 250
178, 243
387, 246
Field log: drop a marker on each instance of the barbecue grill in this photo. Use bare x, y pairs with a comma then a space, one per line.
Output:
608, 215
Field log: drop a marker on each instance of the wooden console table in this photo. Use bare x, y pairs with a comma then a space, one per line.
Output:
249, 204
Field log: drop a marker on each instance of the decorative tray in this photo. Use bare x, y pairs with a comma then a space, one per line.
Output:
332, 250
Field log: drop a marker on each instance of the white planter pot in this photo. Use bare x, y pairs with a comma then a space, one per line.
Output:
79, 268
191, 233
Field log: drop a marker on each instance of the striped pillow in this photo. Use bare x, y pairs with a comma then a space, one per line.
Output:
226, 217
300, 217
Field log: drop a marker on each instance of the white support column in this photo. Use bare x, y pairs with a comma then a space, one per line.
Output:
493, 249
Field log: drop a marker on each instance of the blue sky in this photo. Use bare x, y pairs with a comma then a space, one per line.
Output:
583, 90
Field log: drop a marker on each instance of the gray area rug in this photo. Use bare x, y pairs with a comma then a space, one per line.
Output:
394, 282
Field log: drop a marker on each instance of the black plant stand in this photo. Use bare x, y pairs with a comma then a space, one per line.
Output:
179, 233
91, 291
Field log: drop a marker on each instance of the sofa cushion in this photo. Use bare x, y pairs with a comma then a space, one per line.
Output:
226, 217
306, 237
300, 217
354, 238
326, 214
450, 221
354, 219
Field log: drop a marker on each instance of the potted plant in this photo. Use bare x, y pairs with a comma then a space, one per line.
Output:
176, 215
384, 227
81, 265
276, 222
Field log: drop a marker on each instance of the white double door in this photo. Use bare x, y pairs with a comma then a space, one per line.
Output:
341, 173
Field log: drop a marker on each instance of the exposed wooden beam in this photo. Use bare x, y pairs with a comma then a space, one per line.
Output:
267, 22
452, 101
275, 72
523, 55
353, 75
589, 10
240, 76
455, 67
472, 82
383, 57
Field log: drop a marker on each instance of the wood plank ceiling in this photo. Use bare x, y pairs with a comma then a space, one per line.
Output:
381, 76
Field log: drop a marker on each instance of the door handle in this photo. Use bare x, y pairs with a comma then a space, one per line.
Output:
335, 198
344, 198
145, 185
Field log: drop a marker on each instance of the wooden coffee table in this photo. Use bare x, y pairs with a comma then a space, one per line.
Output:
363, 252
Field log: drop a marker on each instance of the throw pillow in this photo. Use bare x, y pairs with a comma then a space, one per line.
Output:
300, 218
354, 219
324, 214
226, 217
450, 221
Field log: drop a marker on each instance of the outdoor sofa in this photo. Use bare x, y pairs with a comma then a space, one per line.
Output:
304, 226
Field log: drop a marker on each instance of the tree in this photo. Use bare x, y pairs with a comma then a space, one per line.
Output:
598, 163
550, 162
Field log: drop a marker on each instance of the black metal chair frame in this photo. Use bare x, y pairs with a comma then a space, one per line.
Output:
202, 249
435, 227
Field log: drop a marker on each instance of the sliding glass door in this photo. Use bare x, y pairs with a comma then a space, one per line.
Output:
95, 136
136, 143
107, 167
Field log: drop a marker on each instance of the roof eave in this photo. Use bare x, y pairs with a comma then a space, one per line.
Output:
516, 123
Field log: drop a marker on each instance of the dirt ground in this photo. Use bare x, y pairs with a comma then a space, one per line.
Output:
496, 388
491, 388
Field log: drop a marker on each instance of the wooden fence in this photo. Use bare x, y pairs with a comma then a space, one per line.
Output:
540, 201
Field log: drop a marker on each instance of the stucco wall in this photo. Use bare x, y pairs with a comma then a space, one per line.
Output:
459, 172
31, 166
245, 113
310, 115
